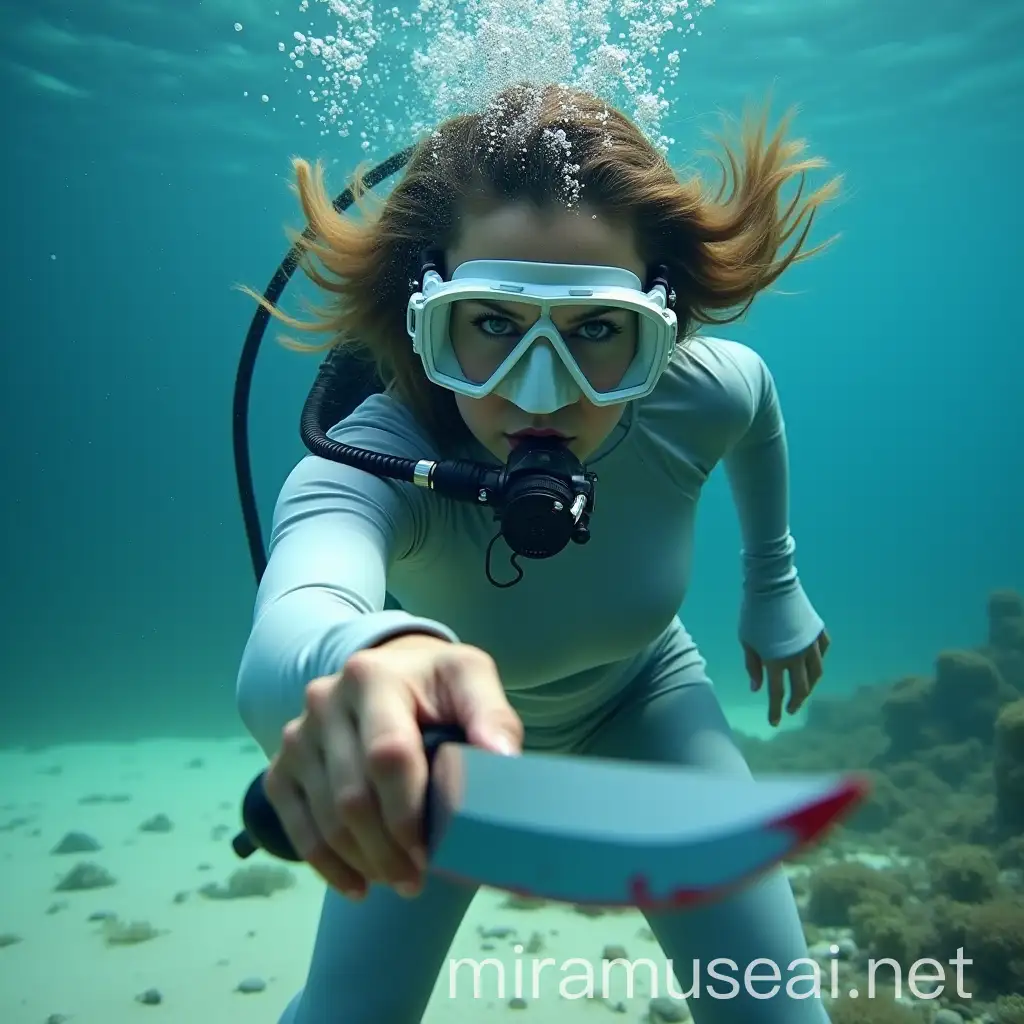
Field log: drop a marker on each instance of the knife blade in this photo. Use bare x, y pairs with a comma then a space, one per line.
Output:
600, 832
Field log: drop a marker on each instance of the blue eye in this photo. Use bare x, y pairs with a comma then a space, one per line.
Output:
495, 326
490, 319
608, 329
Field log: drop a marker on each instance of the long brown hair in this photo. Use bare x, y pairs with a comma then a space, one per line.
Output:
721, 246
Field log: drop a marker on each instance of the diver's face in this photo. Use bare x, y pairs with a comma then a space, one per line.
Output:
521, 231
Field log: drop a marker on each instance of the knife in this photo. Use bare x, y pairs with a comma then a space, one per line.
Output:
599, 832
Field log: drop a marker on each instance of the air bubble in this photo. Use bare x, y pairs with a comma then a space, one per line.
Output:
456, 57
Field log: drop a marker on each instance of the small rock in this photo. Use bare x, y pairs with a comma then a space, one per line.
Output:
56, 908
250, 985
9, 939
495, 933
57, 1018
102, 915
196, 762
662, 1009
151, 997
517, 1003
1012, 878
10, 826
516, 901
76, 842
258, 880
180, 897
487, 947
128, 933
614, 953
85, 876
158, 823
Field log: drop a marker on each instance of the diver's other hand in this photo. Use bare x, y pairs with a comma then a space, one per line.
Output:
349, 781
804, 668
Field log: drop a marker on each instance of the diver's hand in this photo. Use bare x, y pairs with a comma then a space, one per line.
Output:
804, 668
349, 781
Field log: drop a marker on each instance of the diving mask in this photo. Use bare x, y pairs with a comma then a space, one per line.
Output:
531, 362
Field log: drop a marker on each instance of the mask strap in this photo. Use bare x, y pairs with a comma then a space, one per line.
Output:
432, 258
660, 277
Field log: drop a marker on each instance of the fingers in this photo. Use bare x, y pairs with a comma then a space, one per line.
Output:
776, 691
382, 798
799, 687
471, 686
286, 793
755, 668
815, 669
804, 671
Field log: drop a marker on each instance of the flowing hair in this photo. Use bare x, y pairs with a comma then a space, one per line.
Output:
722, 245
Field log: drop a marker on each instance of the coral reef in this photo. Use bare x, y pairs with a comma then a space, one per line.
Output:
836, 888
991, 936
946, 754
874, 1011
1006, 635
966, 874
1008, 1010
1009, 768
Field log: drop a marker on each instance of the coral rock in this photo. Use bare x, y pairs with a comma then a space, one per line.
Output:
965, 873
1009, 767
969, 691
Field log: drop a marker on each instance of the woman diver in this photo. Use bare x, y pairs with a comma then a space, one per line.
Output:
606, 264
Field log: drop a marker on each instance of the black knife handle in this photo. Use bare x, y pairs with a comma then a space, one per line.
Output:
262, 828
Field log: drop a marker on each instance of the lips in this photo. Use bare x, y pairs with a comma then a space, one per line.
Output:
521, 435
539, 432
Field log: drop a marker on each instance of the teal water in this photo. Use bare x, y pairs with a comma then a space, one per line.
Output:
144, 176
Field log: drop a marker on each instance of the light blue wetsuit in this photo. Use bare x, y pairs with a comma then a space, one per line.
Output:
588, 645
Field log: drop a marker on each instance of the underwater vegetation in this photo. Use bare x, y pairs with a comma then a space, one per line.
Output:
946, 823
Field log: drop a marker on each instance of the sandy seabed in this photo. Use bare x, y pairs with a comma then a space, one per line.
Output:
55, 962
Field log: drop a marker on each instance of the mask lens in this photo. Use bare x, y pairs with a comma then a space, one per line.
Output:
603, 346
483, 338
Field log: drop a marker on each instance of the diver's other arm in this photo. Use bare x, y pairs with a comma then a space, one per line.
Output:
777, 619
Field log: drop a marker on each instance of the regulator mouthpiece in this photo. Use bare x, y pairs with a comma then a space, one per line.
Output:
545, 501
